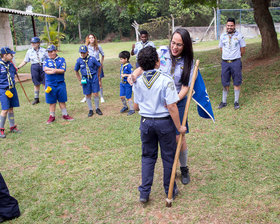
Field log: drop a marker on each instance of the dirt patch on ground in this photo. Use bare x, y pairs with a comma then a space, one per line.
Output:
252, 63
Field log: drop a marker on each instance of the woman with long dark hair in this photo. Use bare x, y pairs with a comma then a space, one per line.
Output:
176, 60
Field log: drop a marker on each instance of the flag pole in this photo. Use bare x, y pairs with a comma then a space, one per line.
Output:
179, 143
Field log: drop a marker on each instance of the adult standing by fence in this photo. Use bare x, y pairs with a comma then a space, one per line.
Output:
36, 56
144, 37
232, 45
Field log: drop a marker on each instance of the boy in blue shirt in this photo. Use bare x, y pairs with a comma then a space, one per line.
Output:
90, 70
8, 92
125, 87
54, 68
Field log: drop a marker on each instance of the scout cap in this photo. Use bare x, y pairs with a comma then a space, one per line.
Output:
35, 40
51, 48
7, 50
83, 49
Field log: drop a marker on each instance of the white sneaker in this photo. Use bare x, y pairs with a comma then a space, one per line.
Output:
102, 100
83, 100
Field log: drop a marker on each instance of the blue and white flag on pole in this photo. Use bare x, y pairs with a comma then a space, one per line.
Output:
200, 96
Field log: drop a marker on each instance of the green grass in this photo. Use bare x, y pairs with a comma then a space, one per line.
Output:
88, 170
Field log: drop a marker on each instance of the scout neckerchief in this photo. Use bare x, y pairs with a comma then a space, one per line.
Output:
122, 71
144, 44
174, 65
10, 81
149, 78
230, 35
38, 56
53, 60
87, 68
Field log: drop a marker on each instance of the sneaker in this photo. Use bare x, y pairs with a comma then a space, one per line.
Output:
144, 200
221, 105
2, 133
102, 100
124, 109
185, 176
236, 105
14, 129
130, 112
35, 101
67, 117
83, 100
90, 113
98, 111
51, 119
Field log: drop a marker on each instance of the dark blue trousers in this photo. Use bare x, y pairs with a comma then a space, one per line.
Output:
8, 205
154, 132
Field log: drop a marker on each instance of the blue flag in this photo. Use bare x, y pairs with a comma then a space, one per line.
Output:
200, 96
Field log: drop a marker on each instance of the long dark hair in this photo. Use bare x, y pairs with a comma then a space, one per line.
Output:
187, 54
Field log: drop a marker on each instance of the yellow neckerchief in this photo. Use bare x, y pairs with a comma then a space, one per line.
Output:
230, 35
53, 60
123, 69
149, 82
10, 81
174, 65
87, 68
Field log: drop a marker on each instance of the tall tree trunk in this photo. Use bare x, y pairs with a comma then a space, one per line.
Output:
79, 28
265, 23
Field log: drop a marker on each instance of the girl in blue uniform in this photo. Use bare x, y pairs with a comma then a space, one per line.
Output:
8, 92
177, 61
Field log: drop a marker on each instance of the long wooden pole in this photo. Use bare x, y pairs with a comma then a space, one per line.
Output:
179, 144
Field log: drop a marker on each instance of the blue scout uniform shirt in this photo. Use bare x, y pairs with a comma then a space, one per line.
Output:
35, 57
154, 90
92, 65
231, 44
4, 83
166, 67
95, 53
58, 63
125, 69
140, 45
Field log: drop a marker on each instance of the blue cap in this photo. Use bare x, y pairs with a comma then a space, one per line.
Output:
51, 48
7, 50
83, 49
35, 40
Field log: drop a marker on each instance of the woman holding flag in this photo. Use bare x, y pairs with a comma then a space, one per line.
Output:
177, 61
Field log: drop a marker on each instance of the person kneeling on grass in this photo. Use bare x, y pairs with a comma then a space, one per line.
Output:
55, 67
8, 92
155, 97
125, 87
90, 69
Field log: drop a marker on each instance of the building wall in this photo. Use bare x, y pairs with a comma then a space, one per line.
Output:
5, 31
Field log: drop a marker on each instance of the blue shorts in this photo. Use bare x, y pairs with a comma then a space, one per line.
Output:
126, 90
6, 102
233, 69
181, 107
37, 74
58, 93
92, 86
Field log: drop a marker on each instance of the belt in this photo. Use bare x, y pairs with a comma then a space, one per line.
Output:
230, 61
37, 64
157, 118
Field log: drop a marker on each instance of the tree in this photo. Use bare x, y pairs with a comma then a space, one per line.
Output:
270, 45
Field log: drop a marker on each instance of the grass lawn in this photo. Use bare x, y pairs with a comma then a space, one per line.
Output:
88, 170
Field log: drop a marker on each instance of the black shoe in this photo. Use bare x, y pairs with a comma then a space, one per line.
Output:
130, 112
98, 111
221, 105
185, 176
90, 113
144, 200
236, 105
123, 109
35, 101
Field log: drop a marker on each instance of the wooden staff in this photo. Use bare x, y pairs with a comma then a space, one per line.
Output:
21, 83
169, 198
